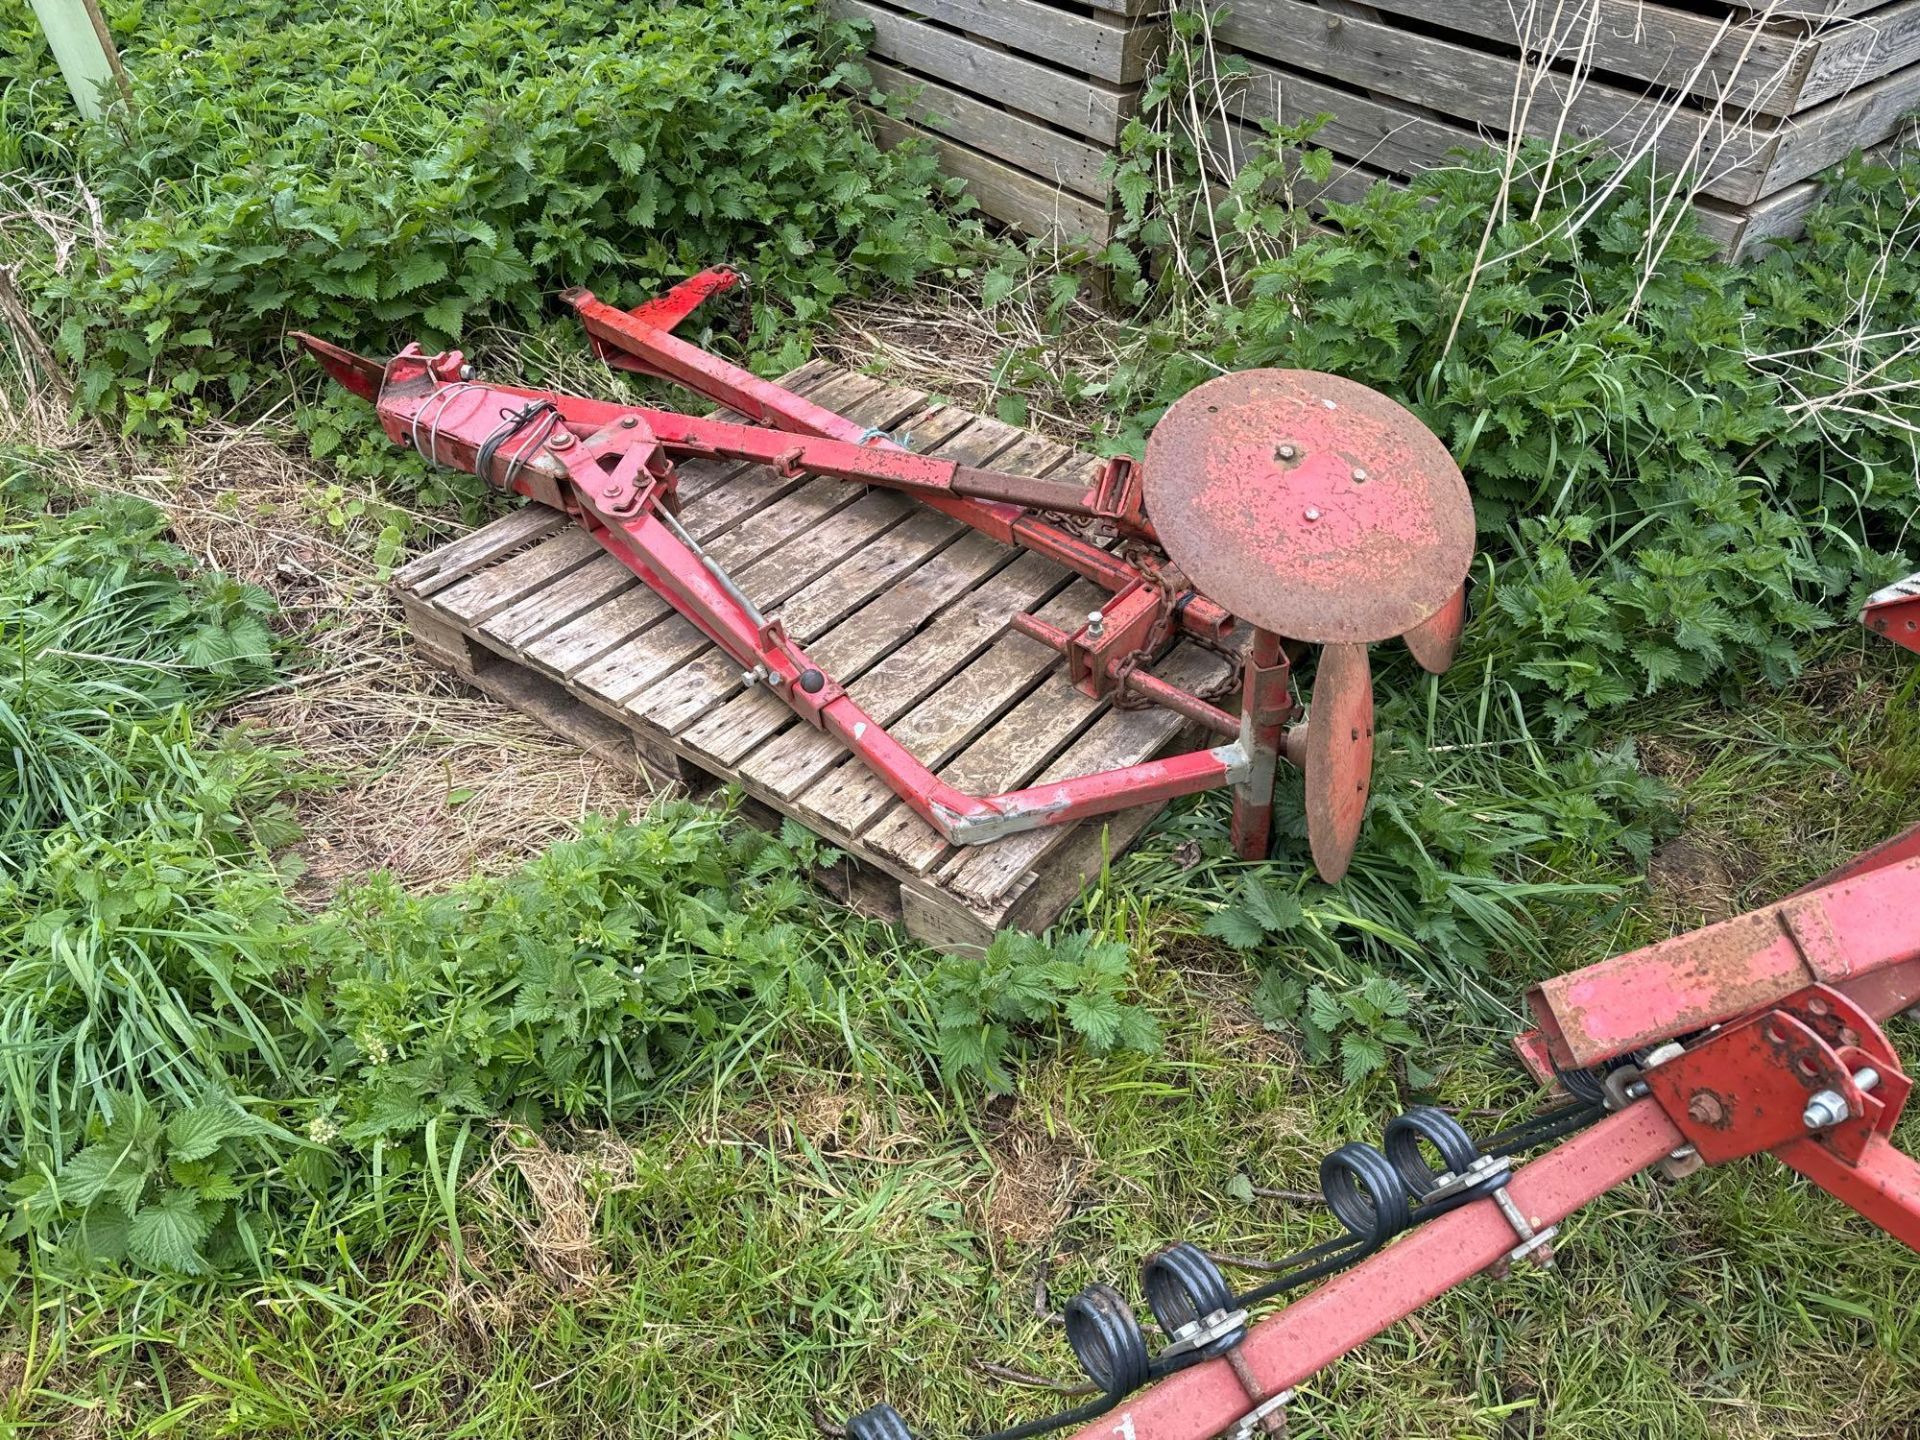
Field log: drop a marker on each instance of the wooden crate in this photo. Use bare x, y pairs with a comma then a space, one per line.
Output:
1757, 108
904, 605
1023, 99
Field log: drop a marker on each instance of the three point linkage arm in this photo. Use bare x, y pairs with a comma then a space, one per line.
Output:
611, 466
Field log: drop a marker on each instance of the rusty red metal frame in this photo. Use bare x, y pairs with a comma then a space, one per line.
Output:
1757, 1035
1356, 508
1895, 613
611, 466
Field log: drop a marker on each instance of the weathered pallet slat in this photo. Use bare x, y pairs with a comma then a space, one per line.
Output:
1027, 145
1879, 43
1036, 206
1096, 45
1732, 59
1024, 100
1478, 86
1075, 102
906, 606
1753, 102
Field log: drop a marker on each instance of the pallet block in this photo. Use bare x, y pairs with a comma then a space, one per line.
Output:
905, 606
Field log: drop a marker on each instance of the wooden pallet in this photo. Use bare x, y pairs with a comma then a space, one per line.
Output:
1763, 107
1023, 99
904, 605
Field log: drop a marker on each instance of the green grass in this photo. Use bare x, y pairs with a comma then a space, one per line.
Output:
793, 1214
807, 1231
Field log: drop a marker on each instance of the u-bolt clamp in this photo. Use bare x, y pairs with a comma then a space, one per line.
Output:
1269, 1417
1489, 1174
1269, 1413
1201, 1333
1536, 1246
1195, 1306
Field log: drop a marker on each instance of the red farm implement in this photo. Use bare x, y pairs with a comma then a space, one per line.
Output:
1276, 510
1761, 1034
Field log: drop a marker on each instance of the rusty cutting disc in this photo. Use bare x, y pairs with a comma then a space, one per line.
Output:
1435, 639
1339, 758
1309, 505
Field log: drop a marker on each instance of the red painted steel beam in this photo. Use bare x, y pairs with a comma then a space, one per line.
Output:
1884, 1185
766, 403
1321, 1326
1895, 613
1839, 933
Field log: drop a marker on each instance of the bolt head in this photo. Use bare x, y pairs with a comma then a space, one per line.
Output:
559, 441
1313, 512
1359, 476
1285, 452
627, 422
466, 372
1706, 1108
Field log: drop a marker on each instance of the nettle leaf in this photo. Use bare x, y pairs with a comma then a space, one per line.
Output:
416, 272
1276, 910
447, 314
1325, 1012
196, 1133
168, 1234
102, 1171
1360, 1056
1278, 997
1096, 1018
1237, 926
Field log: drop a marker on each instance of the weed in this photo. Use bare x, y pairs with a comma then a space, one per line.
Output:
1024, 985
380, 175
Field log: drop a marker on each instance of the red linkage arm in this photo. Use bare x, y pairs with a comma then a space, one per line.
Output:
636, 341
610, 478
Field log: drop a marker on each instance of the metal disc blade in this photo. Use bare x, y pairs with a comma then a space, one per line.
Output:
1435, 639
1339, 761
1309, 505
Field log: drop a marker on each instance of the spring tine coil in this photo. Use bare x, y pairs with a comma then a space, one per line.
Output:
1375, 1194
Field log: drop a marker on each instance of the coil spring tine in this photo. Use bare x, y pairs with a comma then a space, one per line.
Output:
1111, 1347
1366, 1195
879, 1422
1440, 1130
1184, 1287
